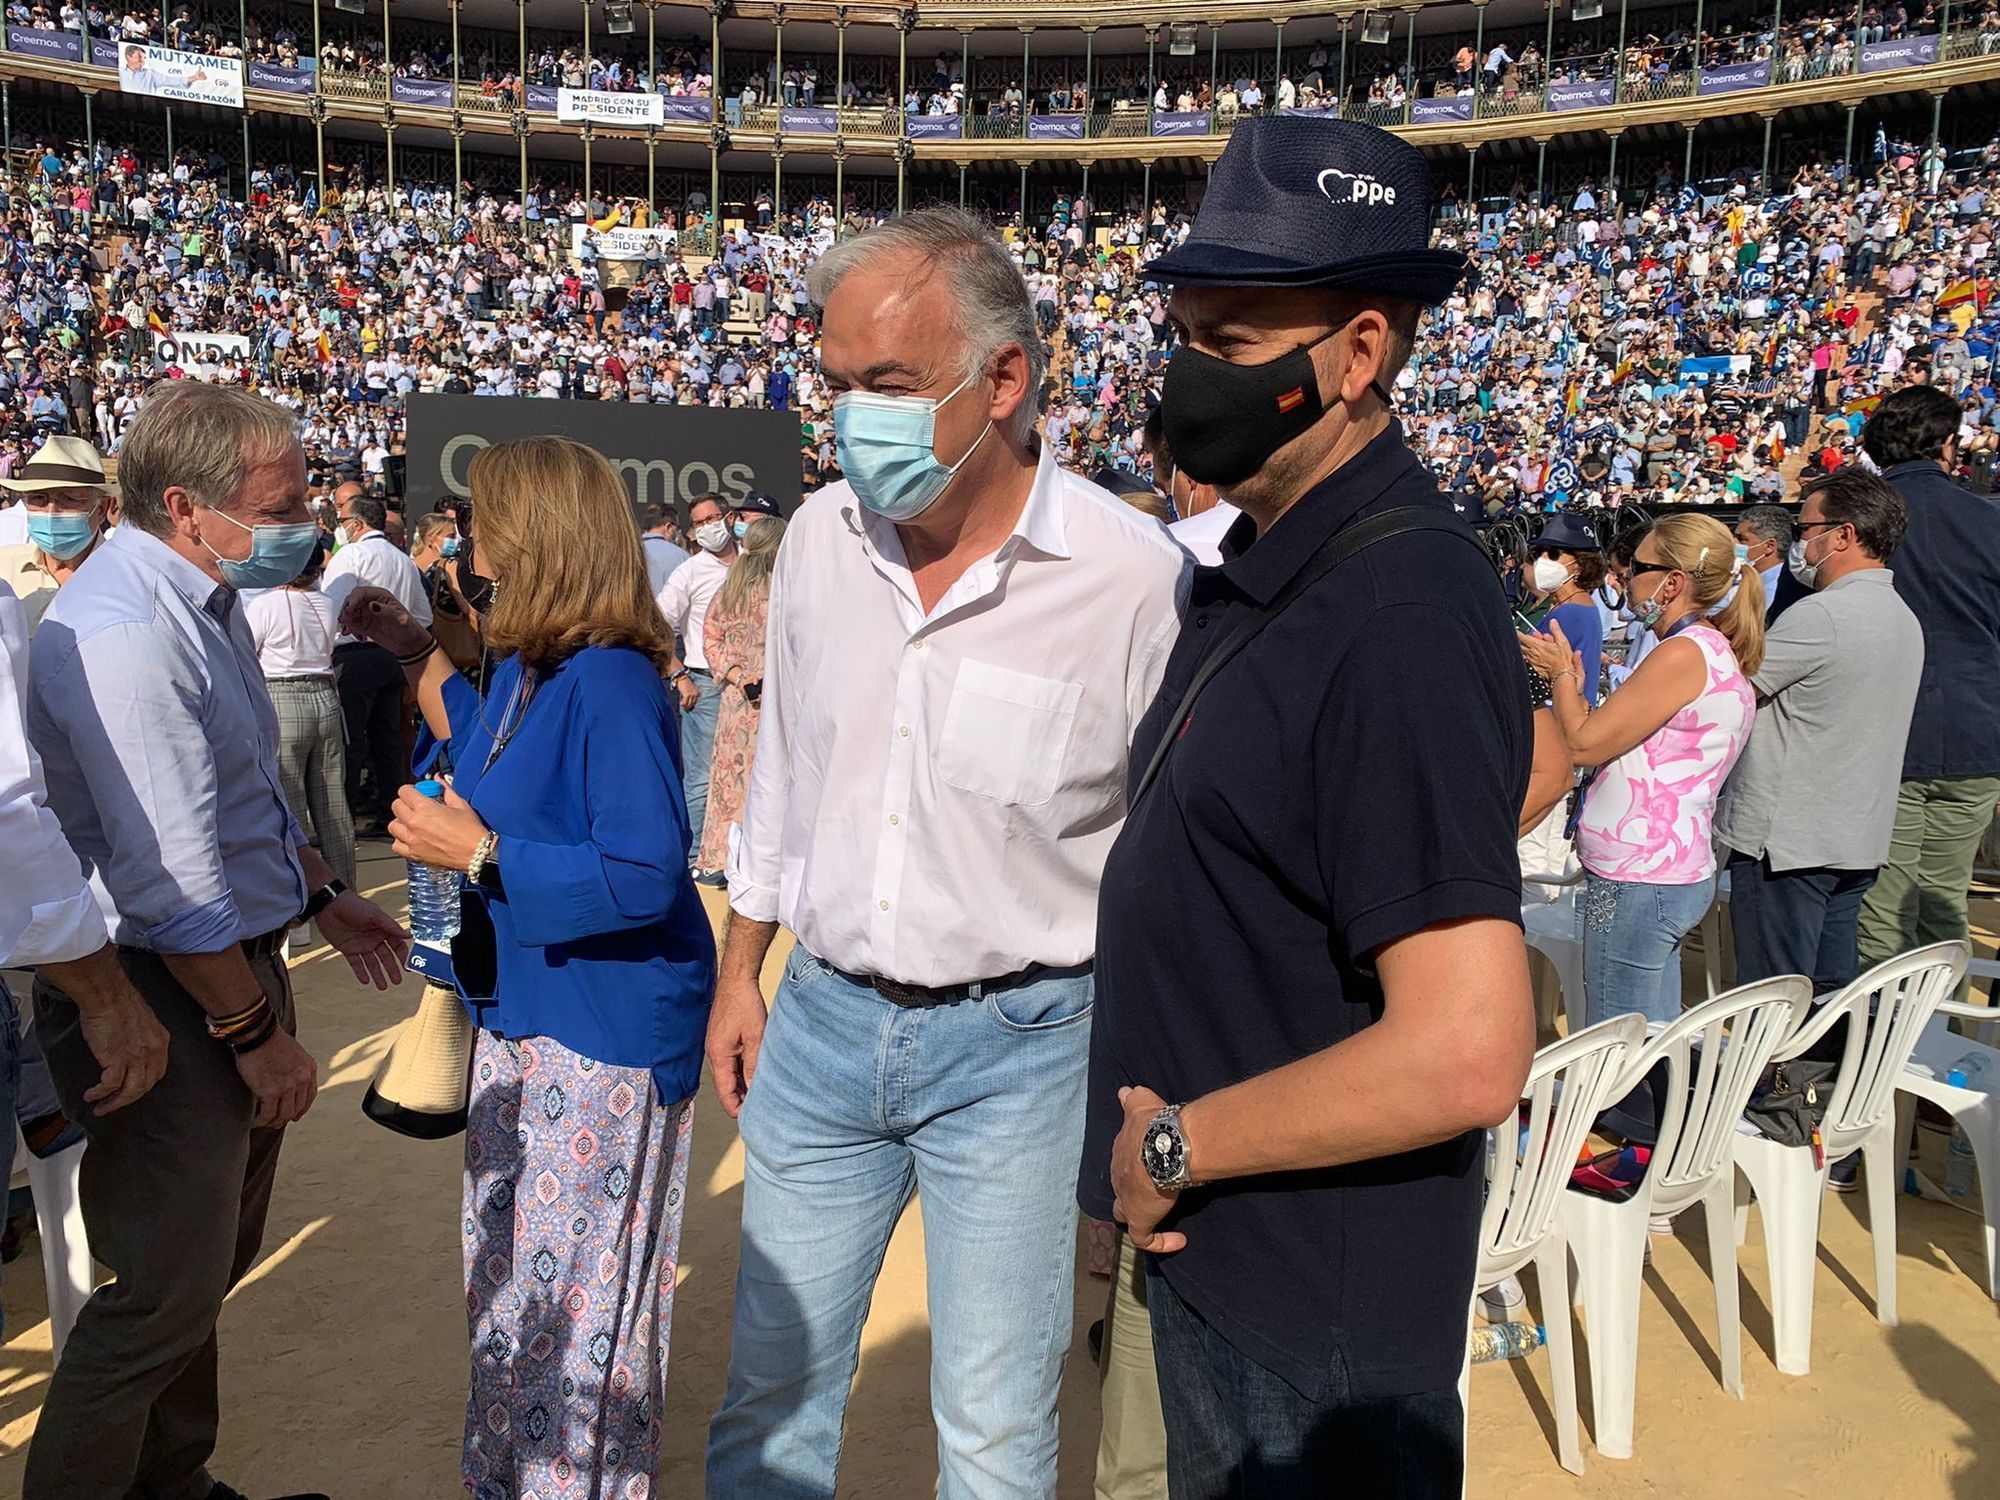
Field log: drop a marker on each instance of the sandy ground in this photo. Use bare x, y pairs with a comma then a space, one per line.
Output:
344, 1351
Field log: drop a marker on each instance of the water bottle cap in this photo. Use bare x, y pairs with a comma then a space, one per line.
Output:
1956, 1078
430, 786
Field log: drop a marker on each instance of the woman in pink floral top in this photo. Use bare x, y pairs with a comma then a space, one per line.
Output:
1662, 745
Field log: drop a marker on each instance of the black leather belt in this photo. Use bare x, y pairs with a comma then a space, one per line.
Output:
923, 997
268, 946
700, 672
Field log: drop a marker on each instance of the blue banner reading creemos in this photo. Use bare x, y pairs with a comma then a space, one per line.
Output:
432, 91
1180, 122
1904, 52
685, 111
280, 80
1595, 93
807, 120
56, 46
541, 99
1055, 127
1437, 111
1734, 77
935, 127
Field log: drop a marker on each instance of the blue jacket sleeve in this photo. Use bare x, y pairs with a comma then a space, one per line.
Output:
631, 870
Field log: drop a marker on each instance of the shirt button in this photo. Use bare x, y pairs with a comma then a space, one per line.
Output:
917, 645
894, 819
903, 730
1201, 622
883, 905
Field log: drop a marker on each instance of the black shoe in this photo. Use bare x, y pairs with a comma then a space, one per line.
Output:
221, 1491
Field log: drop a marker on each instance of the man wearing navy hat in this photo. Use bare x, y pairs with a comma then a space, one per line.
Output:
1291, 1077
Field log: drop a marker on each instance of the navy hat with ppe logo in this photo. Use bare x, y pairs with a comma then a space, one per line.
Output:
1304, 201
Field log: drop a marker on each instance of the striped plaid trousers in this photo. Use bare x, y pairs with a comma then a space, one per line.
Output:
312, 765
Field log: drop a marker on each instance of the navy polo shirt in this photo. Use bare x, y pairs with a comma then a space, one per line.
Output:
1948, 571
1353, 776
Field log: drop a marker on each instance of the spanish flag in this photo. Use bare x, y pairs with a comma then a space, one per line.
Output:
1862, 406
1625, 368
325, 348
153, 321
1965, 289
606, 224
1292, 400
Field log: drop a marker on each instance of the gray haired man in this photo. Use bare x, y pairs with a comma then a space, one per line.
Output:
962, 640
160, 746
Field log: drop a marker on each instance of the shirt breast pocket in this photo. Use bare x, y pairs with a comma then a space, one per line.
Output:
1006, 733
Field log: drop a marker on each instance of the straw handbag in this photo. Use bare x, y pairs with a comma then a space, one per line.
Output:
421, 1088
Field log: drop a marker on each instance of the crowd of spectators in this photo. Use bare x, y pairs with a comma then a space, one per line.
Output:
1687, 344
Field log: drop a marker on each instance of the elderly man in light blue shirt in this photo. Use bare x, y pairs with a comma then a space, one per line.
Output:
159, 743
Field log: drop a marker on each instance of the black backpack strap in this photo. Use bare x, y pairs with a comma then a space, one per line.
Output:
1334, 551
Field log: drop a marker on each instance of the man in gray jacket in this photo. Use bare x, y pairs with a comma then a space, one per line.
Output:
1812, 802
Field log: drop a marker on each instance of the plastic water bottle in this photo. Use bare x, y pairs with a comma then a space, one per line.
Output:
1506, 1341
1970, 1071
434, 894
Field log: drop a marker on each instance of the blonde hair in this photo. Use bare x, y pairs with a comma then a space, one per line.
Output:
1705, 550
750, 574
553, 517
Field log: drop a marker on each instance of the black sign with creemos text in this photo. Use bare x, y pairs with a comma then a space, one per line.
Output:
671, 453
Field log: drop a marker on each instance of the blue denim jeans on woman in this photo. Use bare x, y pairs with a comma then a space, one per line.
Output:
1632, 934
857, 1102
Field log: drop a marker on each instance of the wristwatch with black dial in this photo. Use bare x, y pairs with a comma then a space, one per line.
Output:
1165, 1151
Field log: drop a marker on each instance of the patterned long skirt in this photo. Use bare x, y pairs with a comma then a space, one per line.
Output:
575, 1179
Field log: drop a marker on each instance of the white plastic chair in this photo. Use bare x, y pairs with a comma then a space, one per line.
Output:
1570, 1082
1554, 928
1976, 1111
1713, 1054
1710, 930
66, 1264
1888, 1008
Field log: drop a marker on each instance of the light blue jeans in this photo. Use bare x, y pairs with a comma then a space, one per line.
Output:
856, 1102
1632, 933
698, 752
10, 1086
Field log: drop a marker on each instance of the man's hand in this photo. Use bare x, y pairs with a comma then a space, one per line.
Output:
689, 693
367, 937
735, 1037
281, 1077
1137, 1201
374, 614
124, 1035
130, 1045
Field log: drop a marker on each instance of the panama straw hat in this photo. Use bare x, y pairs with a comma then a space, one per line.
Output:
61, 463
421, 1088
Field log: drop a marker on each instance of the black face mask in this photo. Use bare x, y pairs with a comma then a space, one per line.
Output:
1223, 421
476, 586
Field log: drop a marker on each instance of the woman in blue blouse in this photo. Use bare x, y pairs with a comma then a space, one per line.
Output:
566, 814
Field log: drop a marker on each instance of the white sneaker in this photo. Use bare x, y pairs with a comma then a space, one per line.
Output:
1502, 1301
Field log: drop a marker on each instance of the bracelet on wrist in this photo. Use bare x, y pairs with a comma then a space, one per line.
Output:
420, 654
246, 1023
257, 1038
476, 866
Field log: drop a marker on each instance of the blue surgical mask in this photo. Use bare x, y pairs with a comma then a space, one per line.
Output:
885, 448
449, 548
741, 528
62, 534
279, 552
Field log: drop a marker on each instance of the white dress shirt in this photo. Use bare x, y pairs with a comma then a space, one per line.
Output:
14, 525
662, 558
372, 558
933, 795
1202, 533
48, 914
293, 630
684, 600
